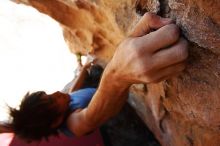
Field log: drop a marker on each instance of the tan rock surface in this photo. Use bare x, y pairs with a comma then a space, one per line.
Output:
181, 111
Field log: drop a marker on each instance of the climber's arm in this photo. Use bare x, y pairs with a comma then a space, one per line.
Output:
79, 81
141, 58
107, 101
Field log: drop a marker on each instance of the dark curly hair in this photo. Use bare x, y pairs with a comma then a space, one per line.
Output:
34, 115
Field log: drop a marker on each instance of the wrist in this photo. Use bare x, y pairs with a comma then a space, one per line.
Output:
111, 76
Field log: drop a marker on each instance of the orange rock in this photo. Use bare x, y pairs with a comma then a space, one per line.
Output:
181, 111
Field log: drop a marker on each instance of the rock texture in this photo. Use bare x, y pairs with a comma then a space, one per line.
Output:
181, 111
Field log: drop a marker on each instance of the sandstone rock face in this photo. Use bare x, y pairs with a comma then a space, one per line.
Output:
181, 111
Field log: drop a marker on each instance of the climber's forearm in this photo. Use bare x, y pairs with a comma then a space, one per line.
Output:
107, 101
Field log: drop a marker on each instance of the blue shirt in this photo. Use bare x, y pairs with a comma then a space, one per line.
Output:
78, 99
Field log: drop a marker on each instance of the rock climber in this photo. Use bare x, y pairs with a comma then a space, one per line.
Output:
154, 51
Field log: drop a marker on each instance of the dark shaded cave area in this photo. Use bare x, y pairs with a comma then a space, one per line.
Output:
127, 129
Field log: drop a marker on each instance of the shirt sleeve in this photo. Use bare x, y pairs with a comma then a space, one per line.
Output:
79, 99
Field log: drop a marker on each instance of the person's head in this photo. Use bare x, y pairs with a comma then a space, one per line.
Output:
39, 115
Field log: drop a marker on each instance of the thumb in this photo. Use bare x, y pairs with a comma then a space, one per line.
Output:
148, 22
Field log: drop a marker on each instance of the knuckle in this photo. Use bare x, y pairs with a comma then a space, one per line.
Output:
149, 16
137, 49
183, 52
185, 44
131, 44
137, 54
145, 68
173, 30
149, 68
